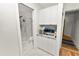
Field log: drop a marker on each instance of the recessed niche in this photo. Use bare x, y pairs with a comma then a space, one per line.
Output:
48, 30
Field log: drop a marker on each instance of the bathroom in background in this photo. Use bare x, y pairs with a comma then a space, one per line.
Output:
25, 15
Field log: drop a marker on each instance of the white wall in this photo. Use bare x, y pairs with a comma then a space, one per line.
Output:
69, 23
76, 30
51, 15
9, 40
71, 6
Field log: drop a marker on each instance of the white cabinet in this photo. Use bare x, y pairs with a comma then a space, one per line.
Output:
48, 15
51, 16
46, 44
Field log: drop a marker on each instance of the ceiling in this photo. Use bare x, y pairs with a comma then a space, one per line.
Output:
45, 5
40, 5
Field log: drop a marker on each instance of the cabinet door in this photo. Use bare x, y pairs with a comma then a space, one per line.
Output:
47, 44
48, 15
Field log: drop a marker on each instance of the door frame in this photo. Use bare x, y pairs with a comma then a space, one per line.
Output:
18, 25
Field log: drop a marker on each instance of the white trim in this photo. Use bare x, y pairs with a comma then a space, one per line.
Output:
60, 27
19, 33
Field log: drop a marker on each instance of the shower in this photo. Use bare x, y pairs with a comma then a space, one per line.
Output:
25, 18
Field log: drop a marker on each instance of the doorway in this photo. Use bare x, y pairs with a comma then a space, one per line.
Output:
25, 18
70, 41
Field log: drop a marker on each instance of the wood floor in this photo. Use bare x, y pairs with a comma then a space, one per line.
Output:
67, 50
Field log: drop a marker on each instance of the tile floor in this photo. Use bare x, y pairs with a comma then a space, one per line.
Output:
28, 50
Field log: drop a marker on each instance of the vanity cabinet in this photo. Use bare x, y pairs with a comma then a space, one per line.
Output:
46, 44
